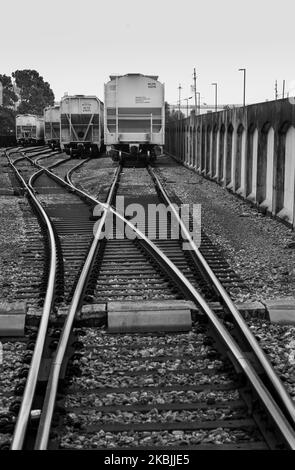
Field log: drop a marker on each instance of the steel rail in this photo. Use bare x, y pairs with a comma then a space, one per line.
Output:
267, 367
51, 390
47, 413
284, 426
28, 396
35, 151
42, 157
273, 409
71, 170
58, 163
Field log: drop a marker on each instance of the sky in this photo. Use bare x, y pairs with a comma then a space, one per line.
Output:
76, 45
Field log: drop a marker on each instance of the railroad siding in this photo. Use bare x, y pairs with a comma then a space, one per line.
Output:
250, 151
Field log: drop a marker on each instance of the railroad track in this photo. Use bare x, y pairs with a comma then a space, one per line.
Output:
210, 388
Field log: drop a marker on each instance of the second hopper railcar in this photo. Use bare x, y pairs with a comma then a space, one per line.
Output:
29, 129
81, 129
134, 115
52, 126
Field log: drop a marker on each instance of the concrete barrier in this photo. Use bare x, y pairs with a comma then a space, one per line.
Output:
250, 151
12, 318
281, 310
149, 316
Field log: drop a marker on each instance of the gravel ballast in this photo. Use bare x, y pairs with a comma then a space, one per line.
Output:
10, 366
136, 369
257, 247
278, 342
95, 177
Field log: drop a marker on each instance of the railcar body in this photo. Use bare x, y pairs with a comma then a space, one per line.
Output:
29, 129
52, 126
81, 129
134, 115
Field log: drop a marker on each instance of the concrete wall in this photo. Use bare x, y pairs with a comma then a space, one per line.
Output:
250, 151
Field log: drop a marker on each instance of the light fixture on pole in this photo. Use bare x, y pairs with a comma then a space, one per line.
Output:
215, 84
244, 92
195, 90
186, 99
179, 100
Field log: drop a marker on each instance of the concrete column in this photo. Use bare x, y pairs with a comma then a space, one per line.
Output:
224, 159
220, 156
254, 165
269, 168
214, 153
216, 175
239, 154
192, 147
243, 163
231, 183
277, 200
189, 144
228, 156
208, 151
253, 161
203, 150
287, 211
199, 142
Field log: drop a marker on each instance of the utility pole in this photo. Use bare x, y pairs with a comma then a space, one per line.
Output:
283, 89
195, 90
179, 94
276, 89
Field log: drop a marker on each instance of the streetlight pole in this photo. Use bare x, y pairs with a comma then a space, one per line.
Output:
195, 89
215, 84
186, 99
179, 93
244, 92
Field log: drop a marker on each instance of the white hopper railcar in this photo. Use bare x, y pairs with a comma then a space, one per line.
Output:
29, 129
52, 126
81, 130
134, 115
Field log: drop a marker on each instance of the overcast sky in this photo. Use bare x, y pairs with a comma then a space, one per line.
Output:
76, 45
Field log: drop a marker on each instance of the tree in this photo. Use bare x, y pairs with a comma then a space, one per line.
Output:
7, 121
9, 96
35, 94
171, 116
